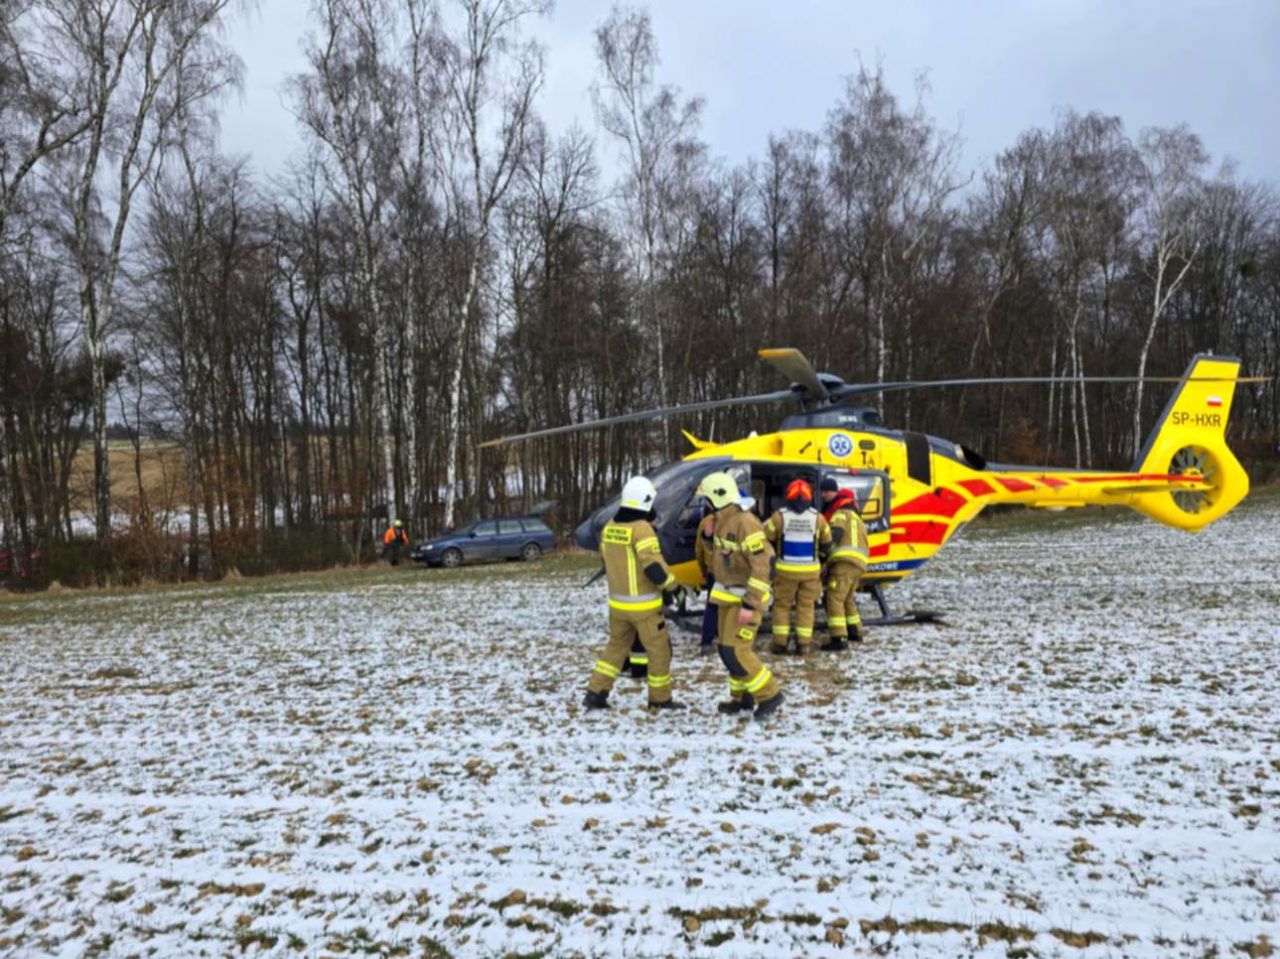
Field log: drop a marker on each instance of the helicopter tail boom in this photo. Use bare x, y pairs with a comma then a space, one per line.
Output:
1185, 475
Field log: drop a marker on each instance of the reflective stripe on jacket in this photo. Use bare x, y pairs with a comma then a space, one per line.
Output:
798, 536
628, 550
849, 534
740, 560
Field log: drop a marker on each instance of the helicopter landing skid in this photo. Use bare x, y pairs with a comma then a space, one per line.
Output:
887, 618
691, 619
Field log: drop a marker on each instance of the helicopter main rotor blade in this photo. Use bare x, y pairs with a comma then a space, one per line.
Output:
793, 364
775, 397
862, 389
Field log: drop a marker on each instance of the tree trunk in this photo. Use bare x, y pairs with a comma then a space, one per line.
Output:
453, 428
98, 380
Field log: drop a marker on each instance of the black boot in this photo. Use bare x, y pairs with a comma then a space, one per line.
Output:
639, 670
669, 704
596, 700
733, 706
769, 706
855, 634
836, 644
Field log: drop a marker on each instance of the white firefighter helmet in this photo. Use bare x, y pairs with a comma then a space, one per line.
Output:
720, 489
638, 493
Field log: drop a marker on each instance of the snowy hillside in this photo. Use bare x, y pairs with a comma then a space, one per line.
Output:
1083, 762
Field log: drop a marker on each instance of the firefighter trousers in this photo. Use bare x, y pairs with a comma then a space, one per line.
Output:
842, 609
801, 591
626, 628
746, 673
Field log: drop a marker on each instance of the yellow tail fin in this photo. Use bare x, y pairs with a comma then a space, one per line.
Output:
1189, 439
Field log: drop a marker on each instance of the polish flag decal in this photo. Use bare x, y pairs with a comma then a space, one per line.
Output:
1215, 401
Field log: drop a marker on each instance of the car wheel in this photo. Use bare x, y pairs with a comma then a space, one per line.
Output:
451, 559
530, 552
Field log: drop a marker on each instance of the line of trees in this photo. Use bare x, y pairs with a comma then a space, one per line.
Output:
322, 351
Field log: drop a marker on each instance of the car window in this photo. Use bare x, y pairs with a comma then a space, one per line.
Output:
506, 526
535, 526
486, 529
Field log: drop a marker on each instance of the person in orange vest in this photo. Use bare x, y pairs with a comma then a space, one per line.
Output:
394, 540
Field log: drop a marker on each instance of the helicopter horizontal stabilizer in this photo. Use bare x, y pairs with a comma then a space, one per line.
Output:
1189, 440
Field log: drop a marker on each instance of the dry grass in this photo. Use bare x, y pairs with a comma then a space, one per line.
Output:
163, 476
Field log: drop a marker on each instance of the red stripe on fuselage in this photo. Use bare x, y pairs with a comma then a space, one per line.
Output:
929, 532
978, 487
1015, 485
940, 502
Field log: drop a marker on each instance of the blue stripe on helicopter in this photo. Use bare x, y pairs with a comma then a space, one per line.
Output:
897, 566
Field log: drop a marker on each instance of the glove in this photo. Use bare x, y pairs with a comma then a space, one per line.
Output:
676, 596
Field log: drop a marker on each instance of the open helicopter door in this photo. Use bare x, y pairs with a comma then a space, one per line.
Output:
874, 497
871, 489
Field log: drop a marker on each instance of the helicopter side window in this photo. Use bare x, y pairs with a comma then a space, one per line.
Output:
690, 516
694, 510
872, 490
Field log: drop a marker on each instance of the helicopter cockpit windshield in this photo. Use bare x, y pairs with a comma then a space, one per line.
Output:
677, 512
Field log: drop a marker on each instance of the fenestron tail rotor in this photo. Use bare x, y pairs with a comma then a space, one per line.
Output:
1199, 462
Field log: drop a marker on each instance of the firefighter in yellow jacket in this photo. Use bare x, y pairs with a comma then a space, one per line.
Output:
740, 567
802, 539
847, 563
637, 576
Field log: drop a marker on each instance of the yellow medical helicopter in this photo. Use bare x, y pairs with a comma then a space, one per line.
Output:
916, 491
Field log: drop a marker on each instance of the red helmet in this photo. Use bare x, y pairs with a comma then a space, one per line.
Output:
799, 489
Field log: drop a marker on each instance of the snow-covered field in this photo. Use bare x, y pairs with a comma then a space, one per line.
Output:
1083, 762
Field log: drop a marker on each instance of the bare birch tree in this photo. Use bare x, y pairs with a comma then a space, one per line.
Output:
654, 124
1170, 161
349, 103
891, 173
126, 56
489, 76
1092, 169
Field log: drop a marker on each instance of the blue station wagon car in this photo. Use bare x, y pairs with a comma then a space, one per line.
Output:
517, 537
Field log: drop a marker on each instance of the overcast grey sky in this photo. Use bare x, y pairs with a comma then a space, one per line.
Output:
995, 68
